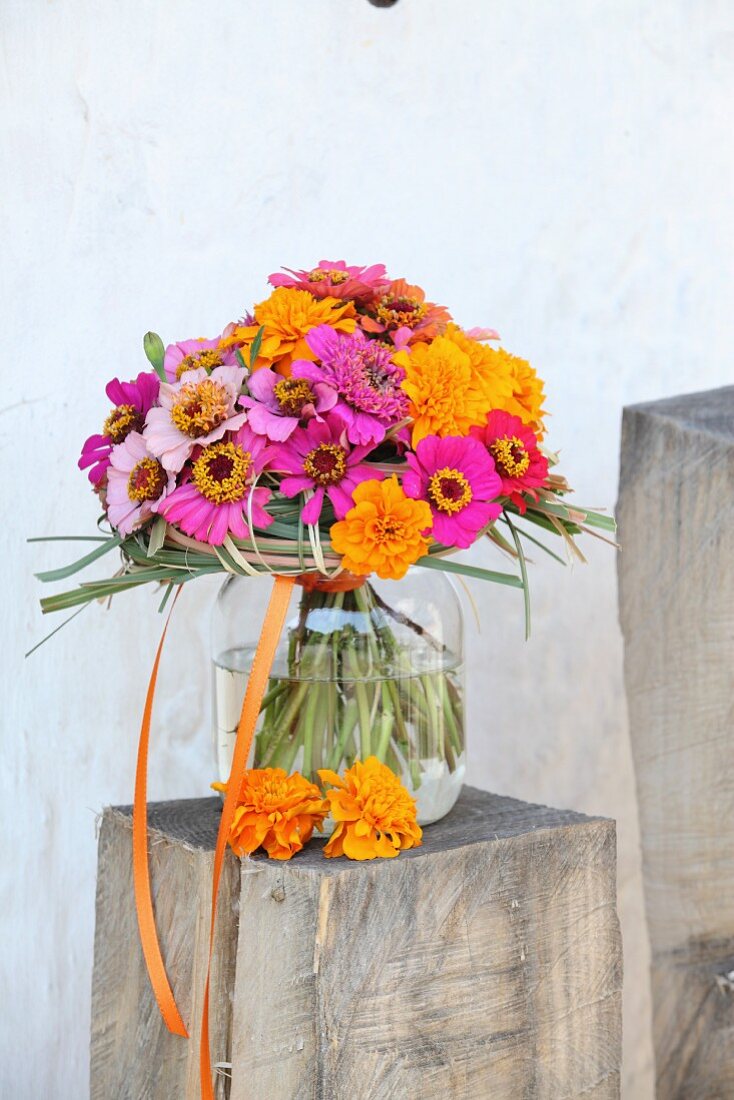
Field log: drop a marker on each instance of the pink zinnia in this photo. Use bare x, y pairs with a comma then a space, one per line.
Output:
131, 401
219, 497
514, 449
320, 458
192, 354
278, 405
367, 381
335, 279
458, 479
136, 484
195, 411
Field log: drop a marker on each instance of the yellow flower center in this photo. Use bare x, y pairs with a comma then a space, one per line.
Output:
220, 472
122, 420
292, 394
326, 464
510, 456
394, 312
200, 407
146, 481
449, 490
335, 277
208, 359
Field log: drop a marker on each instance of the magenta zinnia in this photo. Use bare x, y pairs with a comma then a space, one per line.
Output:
278, 405
367, 381
319, 457
514, 449
457, 478
131, 401
335, 279
219, 498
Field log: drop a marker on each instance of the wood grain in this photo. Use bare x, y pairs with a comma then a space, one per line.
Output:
485, 963
676, 585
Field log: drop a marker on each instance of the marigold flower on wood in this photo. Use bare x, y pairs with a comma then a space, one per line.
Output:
374, 814
384, 532
275, 811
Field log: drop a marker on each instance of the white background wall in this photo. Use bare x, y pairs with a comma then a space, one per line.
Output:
559, 169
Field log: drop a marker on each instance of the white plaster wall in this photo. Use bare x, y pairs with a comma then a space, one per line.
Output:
559, 169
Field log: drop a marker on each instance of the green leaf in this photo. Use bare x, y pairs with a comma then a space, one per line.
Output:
240, 360
255, 347
157, 536
523, 573
449, 566
537, 542
75, 567
56, 630
154, 350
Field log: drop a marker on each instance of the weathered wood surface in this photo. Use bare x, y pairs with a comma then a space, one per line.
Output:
676, 585
486, 963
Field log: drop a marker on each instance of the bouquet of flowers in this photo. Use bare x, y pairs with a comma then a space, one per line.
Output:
342, 432
345, 435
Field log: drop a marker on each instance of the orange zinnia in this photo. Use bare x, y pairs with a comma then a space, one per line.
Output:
447, 395
383, 532
405, 307
286, 316
374, 814
275, 811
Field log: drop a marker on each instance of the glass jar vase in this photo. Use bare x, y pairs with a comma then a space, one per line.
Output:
377, 670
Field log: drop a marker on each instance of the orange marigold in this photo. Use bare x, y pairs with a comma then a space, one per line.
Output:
275, 811
374, 814
492, 370
447, 395
287, 315
528, 396
383, 532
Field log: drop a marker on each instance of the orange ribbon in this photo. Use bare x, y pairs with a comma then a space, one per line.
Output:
256, 685
141, 872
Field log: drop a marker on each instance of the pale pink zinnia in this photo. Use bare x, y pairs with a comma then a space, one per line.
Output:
457, 477
336, 279
131, 402
278, 405
363, 374
193, 354
219, 498
319, 457
195, 411
136, 484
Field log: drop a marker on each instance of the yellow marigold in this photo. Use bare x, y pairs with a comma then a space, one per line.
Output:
383, 532
275, 811
447, 396
492, 370
374, 814
287, 315
528, 396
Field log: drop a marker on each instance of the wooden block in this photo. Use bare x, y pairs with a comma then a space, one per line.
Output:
676, 586
486, 963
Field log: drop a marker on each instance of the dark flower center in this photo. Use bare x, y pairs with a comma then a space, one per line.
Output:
147, 480
292, 395
326, 464
122, 420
